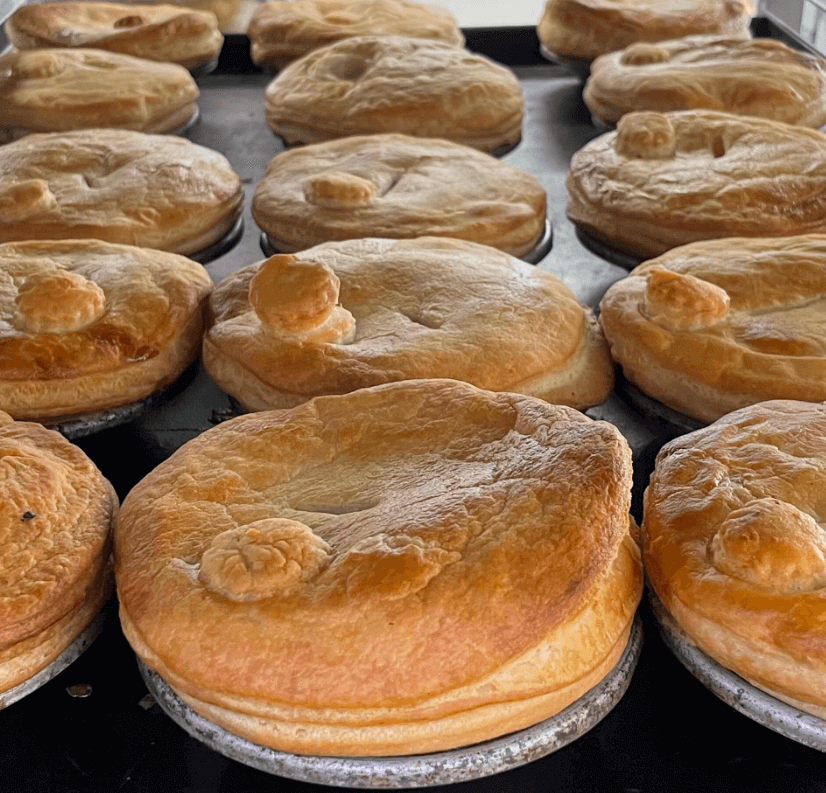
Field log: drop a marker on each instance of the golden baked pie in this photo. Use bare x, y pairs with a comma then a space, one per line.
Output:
155, 32
233, 15
56, 516
399, 570
751, 77
713, 326
735, 548
281, 31
370, 84
665, 179
585, 29
52, 90
156, 191
397, 186
349, 315
87, 325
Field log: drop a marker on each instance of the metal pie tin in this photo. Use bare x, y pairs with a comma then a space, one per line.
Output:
205, 68
673, 421
608, 252
185, 129
222, 246
580, 67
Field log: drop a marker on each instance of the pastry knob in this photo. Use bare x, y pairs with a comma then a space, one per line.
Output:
678, 301
641, 53
58, 301
269, 557
339, 189
773, 545
24, 199
297, 298
5, 419
645, 136
129, 21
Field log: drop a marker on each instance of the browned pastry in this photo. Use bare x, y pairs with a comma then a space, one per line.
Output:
399, 570
663, 180
752, 77
86, 325
156, 191
56, 512
585, 29
233, 15
397, 186
281, 31
349, 315
734, 545
155, 32
713, 326
370, 84
52, 90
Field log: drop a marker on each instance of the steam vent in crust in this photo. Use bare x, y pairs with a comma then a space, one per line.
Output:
735, 548
666, 179
371, 84
349, 315
405, 569
56, 516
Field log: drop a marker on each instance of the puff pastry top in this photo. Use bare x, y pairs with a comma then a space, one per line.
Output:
370, 84
585, 29
156, 191
381, 559
752, 77
662, 180
349, 315
51, 90
280, 31
735, 545
397, 186
155, 32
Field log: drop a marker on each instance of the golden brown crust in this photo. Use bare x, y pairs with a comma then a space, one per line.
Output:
585, 29
373, 84
396, 186
52, 90
86, 325
663, 180
155, 32
735, 547
713, 326
155, 191
460, 551
280, 32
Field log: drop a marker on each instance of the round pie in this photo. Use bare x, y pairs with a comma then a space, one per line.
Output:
751, 77
87, 325
397, 186
665, 179
403, 569
56, 516
585, 29
349, 315
370, 84
735, 548
155, 32
281, 31
156, 191
52, 90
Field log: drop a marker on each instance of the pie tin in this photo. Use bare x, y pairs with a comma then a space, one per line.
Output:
745, 698
533, 256
205, 68
580, 67
673, 421
222, 246
68, 656
185, 129
425, 770
608, 252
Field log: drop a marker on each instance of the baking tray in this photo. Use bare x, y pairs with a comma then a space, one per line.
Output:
579, 67
424, 770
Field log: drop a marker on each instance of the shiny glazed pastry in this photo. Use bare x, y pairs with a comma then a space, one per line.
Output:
663, 180
354, 314
371, 84
752, 77
713, 326
585, 29
52, 90
155, 32
86, 325
56, 516
735, 548
156, 191
403, 569
397, 186
280, 31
